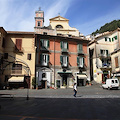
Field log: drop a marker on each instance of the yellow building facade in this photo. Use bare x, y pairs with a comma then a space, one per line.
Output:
61, 25
18, 59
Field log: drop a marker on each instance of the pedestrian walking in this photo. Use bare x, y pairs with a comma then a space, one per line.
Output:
75, 89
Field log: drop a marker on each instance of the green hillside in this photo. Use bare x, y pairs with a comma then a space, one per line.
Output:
108, 27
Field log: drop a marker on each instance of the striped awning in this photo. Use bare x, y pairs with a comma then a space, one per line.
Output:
16, 79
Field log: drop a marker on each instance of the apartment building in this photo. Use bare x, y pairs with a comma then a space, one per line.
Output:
100, 49
61, 61
115, 56
17, 59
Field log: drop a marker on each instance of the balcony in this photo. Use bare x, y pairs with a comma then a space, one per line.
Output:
104, 56
81, 52
44, 49
106, 66
64, 50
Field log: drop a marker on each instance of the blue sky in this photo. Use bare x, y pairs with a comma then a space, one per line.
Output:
85, 15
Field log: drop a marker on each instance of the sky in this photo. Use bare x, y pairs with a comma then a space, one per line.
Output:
85, 15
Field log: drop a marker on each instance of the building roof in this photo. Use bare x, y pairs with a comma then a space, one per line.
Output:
57, 18
19, 32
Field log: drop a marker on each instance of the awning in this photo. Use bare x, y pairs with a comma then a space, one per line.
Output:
16, 79
82, 76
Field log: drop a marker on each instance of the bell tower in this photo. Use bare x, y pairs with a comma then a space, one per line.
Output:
39, 18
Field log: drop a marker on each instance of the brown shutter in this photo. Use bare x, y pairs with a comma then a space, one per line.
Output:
19, 44
116, 62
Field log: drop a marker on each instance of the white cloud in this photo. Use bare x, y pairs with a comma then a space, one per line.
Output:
19, 15
59, 6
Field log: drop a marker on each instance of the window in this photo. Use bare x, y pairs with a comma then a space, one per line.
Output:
44, 33
44, 59
17, 69
80, 47
116, 81
64, 45
107, 39
59, 26
105, 62
44, 43
43, 75
64, 60
116, 62
19, 44
104, 52
29, 56
38, 23
112, 81
80, 61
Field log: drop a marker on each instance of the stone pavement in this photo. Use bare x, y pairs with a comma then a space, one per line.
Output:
94, 91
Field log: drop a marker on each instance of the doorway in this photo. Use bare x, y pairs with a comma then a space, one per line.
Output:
44, 84
80, 82
64, 80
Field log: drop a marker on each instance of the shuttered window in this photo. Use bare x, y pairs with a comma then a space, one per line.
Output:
19, 44
44, 43
80, 47
29, 56
116, 62
64, 60
44, 59
64, 45
80, 61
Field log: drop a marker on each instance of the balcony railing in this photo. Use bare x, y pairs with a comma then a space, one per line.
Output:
64, 50
104, 55
81, 52
106, 65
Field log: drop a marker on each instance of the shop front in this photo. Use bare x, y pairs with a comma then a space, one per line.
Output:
66, 79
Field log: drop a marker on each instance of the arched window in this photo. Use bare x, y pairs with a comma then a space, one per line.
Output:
59, 26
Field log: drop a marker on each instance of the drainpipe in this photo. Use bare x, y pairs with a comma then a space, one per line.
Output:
54, 63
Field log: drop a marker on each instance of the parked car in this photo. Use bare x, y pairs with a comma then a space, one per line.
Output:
111, 83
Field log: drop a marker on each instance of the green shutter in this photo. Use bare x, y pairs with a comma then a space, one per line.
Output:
105, 38
48, 44
41, 42
115, 37
48, 58
61, 44
67, 60
81, 47
110, 39
107, 52
83, 61
78, 60
61, 59
101, 51
67, 45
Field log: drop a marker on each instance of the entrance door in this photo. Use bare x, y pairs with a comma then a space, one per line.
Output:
80, 82
44, 84
64, 80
